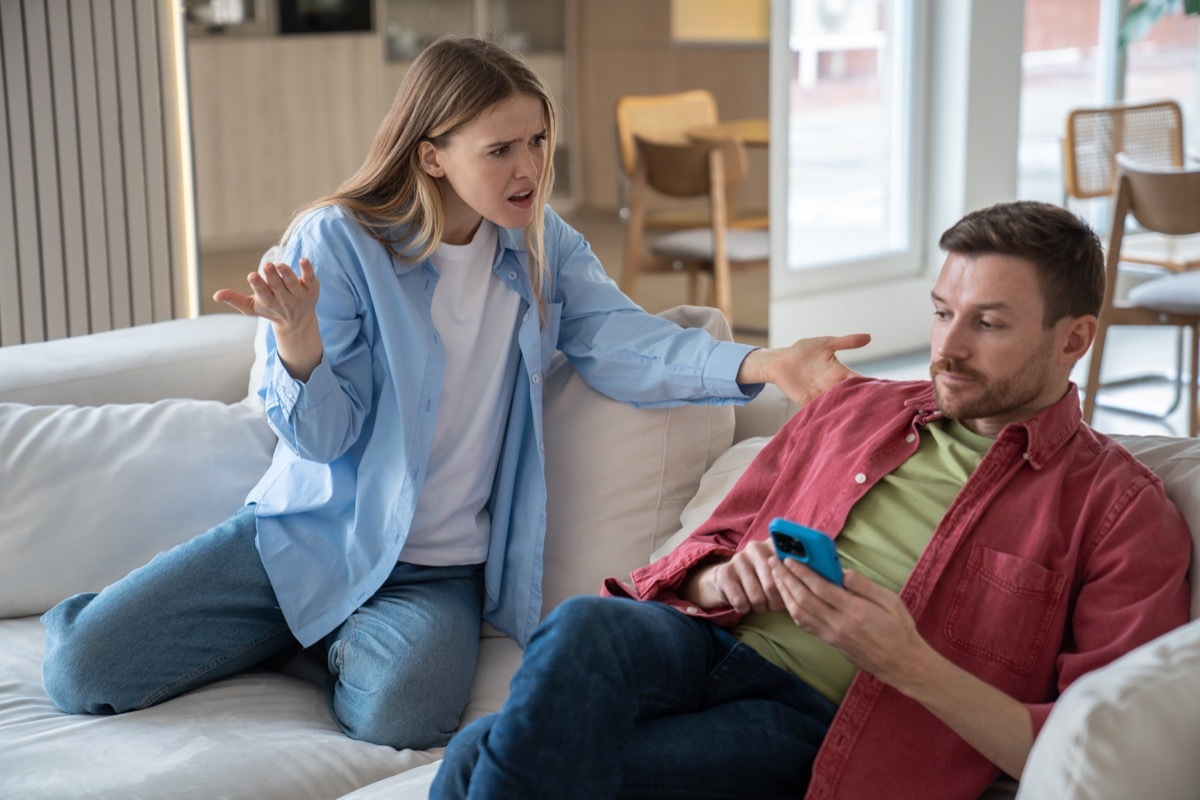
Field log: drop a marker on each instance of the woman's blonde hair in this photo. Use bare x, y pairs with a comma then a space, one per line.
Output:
451, 83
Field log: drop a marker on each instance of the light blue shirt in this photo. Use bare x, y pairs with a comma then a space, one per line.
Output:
336, 504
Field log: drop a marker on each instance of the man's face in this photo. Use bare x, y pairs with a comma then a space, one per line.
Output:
992, 360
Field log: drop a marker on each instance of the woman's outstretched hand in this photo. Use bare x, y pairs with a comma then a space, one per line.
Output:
289, 302
805, 368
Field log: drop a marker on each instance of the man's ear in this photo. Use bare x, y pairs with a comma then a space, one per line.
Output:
1078, 335
430, 159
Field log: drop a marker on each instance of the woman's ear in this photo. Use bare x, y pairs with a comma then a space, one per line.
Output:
430, 159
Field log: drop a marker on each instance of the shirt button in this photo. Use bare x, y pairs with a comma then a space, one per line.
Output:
693, 610
860, 478
912, 437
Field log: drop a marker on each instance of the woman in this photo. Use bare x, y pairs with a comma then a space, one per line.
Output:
404, 380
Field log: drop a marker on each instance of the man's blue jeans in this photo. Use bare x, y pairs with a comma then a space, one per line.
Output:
400, 668
617, 698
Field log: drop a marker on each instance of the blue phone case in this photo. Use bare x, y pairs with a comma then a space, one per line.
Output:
807, 546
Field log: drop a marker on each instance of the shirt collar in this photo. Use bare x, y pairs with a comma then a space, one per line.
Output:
1042, 435
508, 238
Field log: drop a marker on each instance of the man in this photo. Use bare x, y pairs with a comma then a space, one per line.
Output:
996, 549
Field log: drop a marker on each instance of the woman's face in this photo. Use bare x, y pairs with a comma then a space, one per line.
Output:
490, 168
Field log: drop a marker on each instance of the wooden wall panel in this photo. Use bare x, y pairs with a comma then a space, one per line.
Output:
93, 206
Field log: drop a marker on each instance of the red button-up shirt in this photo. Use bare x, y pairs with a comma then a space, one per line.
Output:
1060, 553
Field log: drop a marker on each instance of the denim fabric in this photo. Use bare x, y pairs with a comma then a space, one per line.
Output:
617, 698
401, 666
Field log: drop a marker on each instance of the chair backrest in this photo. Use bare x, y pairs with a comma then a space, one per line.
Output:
661, 117
689, 169
1161, 199
1151, 133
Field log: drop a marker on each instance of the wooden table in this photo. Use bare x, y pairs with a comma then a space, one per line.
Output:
754, 131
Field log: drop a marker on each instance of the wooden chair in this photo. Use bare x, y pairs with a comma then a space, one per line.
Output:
1164, 200
668, 118
691, 170
1151, 134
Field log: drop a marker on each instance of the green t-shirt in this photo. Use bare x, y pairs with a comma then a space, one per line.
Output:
883, 537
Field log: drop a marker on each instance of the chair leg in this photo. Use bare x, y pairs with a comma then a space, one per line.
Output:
1093, 381
1193, 411
693, 279
723, 289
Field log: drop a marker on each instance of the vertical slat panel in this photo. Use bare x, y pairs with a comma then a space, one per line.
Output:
133, 152
70, 263
94, 221
70, 182
178, 153
20, 132
159, 260
112, 159
93, 230
45, 164
10, 281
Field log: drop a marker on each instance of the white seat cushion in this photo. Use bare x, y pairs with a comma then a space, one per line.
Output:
1175, 294
697, 245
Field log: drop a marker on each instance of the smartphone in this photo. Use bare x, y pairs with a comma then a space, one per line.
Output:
807, 546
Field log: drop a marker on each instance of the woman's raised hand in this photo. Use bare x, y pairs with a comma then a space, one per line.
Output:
277, 294
289, 302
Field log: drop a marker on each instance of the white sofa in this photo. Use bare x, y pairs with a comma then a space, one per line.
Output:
118, 445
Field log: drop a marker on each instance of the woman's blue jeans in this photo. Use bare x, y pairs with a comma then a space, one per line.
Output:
617, 698
400, 668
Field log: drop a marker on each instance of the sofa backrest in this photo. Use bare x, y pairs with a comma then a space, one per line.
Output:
204, 358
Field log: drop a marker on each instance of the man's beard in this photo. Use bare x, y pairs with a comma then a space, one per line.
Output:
990, 397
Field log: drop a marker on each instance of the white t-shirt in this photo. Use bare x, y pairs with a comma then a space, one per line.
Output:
475, 315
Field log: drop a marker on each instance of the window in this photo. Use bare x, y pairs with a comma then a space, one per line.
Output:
852, 116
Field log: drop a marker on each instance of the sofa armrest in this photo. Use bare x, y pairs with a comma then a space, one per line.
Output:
1126, 730
206, 358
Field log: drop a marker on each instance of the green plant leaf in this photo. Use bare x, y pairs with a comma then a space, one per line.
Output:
1141, 18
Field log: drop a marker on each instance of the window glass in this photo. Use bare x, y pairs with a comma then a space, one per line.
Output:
850, 131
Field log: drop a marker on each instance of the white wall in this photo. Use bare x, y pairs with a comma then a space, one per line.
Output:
969, 160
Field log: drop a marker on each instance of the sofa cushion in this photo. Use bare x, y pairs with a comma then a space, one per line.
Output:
257, 735
1128, 730
618, 477
145, 476
1177, 462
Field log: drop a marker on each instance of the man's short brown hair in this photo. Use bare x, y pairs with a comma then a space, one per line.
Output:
1062, 247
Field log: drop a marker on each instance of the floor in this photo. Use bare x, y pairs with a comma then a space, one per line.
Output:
1131, 351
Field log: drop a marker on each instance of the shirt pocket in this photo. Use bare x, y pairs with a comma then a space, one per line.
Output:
1003, 608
